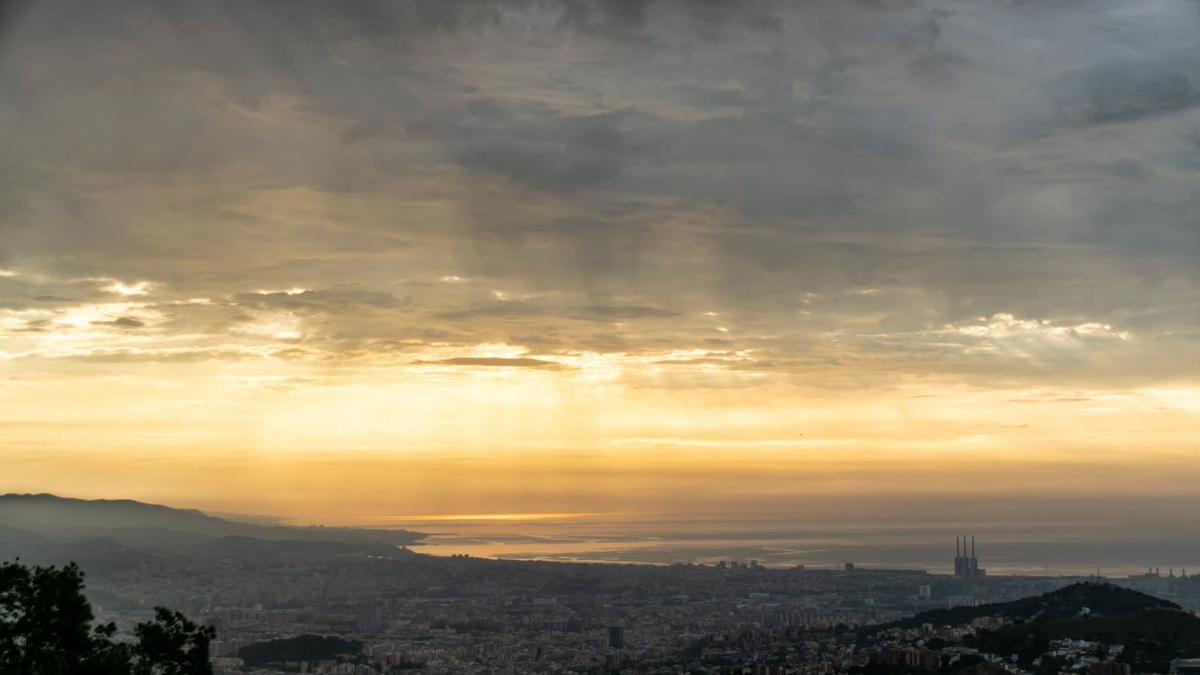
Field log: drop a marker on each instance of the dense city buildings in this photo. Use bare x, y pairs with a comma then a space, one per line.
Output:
363, 602
419, 613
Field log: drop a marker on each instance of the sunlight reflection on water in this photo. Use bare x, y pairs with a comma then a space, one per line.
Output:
780, 541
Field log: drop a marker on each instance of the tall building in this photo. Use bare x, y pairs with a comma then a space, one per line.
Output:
616, 637
369, 619
966, 566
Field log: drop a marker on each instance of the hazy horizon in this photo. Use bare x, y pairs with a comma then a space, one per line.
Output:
337, 262
1060, 537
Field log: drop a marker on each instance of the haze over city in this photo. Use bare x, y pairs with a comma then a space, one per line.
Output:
379, 263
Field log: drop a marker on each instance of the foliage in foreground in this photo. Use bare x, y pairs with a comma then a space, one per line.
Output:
299, 648
46, 628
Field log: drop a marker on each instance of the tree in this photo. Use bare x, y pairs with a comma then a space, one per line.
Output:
172, 645
46, 629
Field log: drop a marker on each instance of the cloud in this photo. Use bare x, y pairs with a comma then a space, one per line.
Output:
336, 299
519, 309
1003, 325
496, 310
1129, 90
495, 362
121, 322
347, 183
179, 355
607, 312
907, 228
120, 288
534, 144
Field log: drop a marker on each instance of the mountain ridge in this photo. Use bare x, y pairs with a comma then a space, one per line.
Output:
108, 535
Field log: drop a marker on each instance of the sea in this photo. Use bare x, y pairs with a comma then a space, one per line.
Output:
1070, 547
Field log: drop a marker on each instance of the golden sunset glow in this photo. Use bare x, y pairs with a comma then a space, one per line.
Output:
518, 266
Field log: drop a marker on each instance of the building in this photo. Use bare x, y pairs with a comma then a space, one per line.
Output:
369, 619
1185, 667
966, 566
1109, 668
616, 637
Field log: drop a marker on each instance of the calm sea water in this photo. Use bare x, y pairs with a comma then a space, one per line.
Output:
1045, 548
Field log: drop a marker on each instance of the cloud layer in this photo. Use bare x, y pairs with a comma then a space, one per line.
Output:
646, 201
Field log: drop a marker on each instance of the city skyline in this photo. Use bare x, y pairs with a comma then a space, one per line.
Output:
518, 259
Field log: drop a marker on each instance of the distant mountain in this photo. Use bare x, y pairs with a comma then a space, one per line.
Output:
19, 542
107, 535
249, 546
98, 555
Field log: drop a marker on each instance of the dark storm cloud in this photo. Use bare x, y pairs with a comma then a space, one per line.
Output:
1129, 90
516, 309
766, 175
536, 144
631, 21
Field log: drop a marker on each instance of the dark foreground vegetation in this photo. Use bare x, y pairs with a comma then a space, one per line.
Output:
1151, 632
299, 648
47, 628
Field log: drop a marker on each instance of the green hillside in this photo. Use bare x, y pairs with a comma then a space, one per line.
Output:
1152, 637
1150, 630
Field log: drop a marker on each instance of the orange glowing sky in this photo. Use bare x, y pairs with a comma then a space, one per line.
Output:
527, 259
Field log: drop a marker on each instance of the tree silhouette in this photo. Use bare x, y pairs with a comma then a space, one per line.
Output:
46, 629
172, 645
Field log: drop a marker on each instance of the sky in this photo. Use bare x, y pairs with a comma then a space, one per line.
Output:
342, 261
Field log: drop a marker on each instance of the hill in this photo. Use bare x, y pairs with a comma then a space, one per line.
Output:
1152, 637
109, 535
1066, 602
98, 555
1152, 631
